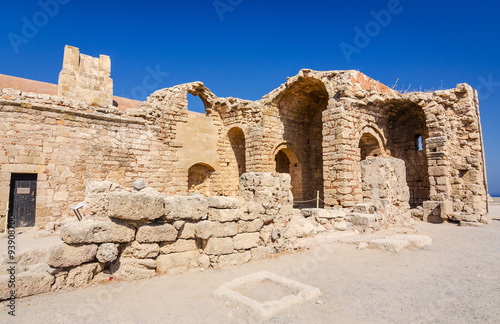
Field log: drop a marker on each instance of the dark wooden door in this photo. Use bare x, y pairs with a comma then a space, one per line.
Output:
23, 199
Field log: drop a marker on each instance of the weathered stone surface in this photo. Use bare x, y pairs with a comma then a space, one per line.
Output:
259, 253
418, 241
94, 231
156, 233
82, 275
27, 284
133, 269
64, 255
340, 226
384, 184
251, 210
246, 241
323, 213
185, 207
389, 244
222, 202
97, 197
178, 246
218, 246
299, 227
166, 262
140, 251
187, 231
250, 226
207, 229
234, 259
31, 256
139, 184
107, 252
135, 206
204, 261
362, 219
223, 215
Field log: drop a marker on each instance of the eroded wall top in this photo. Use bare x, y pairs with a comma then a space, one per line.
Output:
86, 78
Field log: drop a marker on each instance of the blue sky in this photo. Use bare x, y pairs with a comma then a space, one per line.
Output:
245, 49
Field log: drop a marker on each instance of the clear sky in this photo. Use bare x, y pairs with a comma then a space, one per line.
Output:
246, 48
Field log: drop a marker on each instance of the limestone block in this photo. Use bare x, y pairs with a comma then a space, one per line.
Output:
234, 259
64, 255
340, 226
323, 213
141, 251
82, 275
133, 269
221, 202
218, 246
97, 197
204, 261
432, 210
418, 241
363, 219
223, 215
156, 233
166, 262
94, 231
299, 227
27, 284
259, 253
250, 226
189, 207
187, 231
178, 246
266, 233
107, 252
251, 210
446, 209
389, 244
135, 206
207, 229
246, 241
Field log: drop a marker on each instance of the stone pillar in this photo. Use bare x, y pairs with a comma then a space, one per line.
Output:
339, 158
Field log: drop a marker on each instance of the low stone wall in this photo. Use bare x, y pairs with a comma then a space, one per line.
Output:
131, 234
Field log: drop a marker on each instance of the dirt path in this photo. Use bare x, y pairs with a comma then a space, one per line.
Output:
456, 281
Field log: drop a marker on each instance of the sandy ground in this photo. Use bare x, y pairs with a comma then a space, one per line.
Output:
457, 280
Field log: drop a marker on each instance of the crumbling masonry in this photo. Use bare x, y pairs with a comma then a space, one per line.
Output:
319, 127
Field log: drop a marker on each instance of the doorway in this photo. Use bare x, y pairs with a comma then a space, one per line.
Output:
22, 199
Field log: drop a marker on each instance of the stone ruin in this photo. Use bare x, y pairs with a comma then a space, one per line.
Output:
137, 233
319, 127
234, 184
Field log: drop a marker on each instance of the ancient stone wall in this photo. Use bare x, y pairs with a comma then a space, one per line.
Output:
69, 144
318, 127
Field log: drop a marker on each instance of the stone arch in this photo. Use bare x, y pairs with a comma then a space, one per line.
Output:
287, 161
301, 104
369, 146
371, 143
199, 178
237, 140
406, 124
